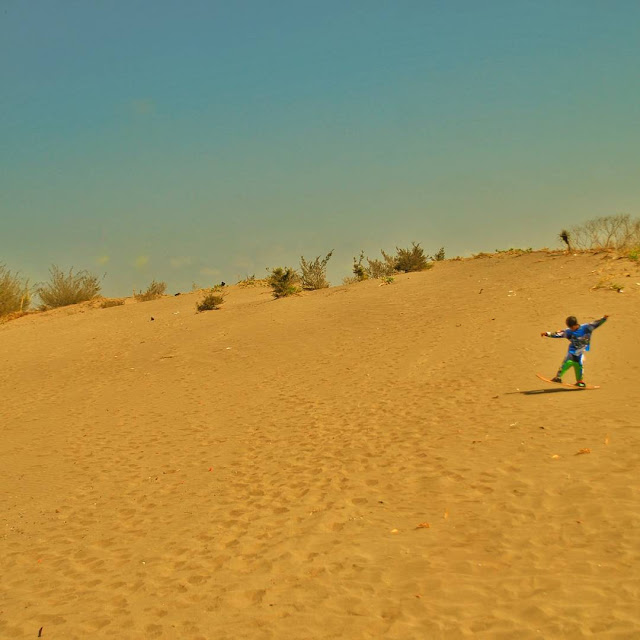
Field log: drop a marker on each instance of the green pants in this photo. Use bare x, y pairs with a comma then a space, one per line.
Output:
575, 361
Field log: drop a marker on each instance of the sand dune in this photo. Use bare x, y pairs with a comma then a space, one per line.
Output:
261, 471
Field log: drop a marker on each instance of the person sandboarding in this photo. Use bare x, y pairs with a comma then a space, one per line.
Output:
579, 336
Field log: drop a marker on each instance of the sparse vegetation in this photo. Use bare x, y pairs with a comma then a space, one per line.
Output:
610, 233
387, 280
512, 251
65, 289
606, 283
411, 259
283, 281
211, 301
634, 254
111, 302
154, 290
252, 281
382, 268
314, 274
359, 270
503, 253
15, 295
405, 260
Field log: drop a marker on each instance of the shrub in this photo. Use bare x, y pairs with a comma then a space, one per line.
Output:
314, 274
15, 295
359, 270
65, 289
412, 259
634, 254
283, 281
252, 281
211, 301
111, 302
382, 268
606, 283
154, 290
565, 236
439, 256
614, 233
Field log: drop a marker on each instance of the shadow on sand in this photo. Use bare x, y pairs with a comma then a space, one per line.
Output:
535, 392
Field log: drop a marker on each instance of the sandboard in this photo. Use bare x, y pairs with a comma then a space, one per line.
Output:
570, 386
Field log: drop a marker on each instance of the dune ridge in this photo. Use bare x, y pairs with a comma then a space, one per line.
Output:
261, 471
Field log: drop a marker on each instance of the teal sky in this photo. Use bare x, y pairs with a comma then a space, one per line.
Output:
206, 140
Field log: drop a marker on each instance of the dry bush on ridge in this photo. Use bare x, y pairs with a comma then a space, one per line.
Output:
283, 281
611, 233
252, 281
314, 274
211, 301
111, 302
65, 289
412, 259
565, 236
382, 268
154, 290
15, 295
405, 260
359, 270
439, 255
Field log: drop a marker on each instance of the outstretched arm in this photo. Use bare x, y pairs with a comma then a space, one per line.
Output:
553, 334
596, 323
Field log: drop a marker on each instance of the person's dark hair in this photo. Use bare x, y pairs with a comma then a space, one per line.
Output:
572, 321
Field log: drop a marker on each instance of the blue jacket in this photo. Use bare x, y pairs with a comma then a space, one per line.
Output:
580, 338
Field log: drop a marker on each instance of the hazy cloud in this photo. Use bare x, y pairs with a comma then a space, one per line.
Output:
143, 107
206, 271
178, 263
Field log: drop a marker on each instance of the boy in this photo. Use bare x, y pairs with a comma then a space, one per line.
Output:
579, 337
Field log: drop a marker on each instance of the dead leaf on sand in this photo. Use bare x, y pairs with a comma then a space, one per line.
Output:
583, 451
555, 456
424, 525
395, 531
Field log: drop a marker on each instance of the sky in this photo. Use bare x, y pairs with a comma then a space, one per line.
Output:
196, 141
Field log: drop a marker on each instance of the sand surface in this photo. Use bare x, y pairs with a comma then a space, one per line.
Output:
261, 471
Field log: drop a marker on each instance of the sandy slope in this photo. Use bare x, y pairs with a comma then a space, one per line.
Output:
260, 471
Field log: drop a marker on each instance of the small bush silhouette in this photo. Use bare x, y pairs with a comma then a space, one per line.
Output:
411, 259
15, 295
565, 236
314, 274
65, 289
283, 281
359, 270
154, 290
439, 256
211, 301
